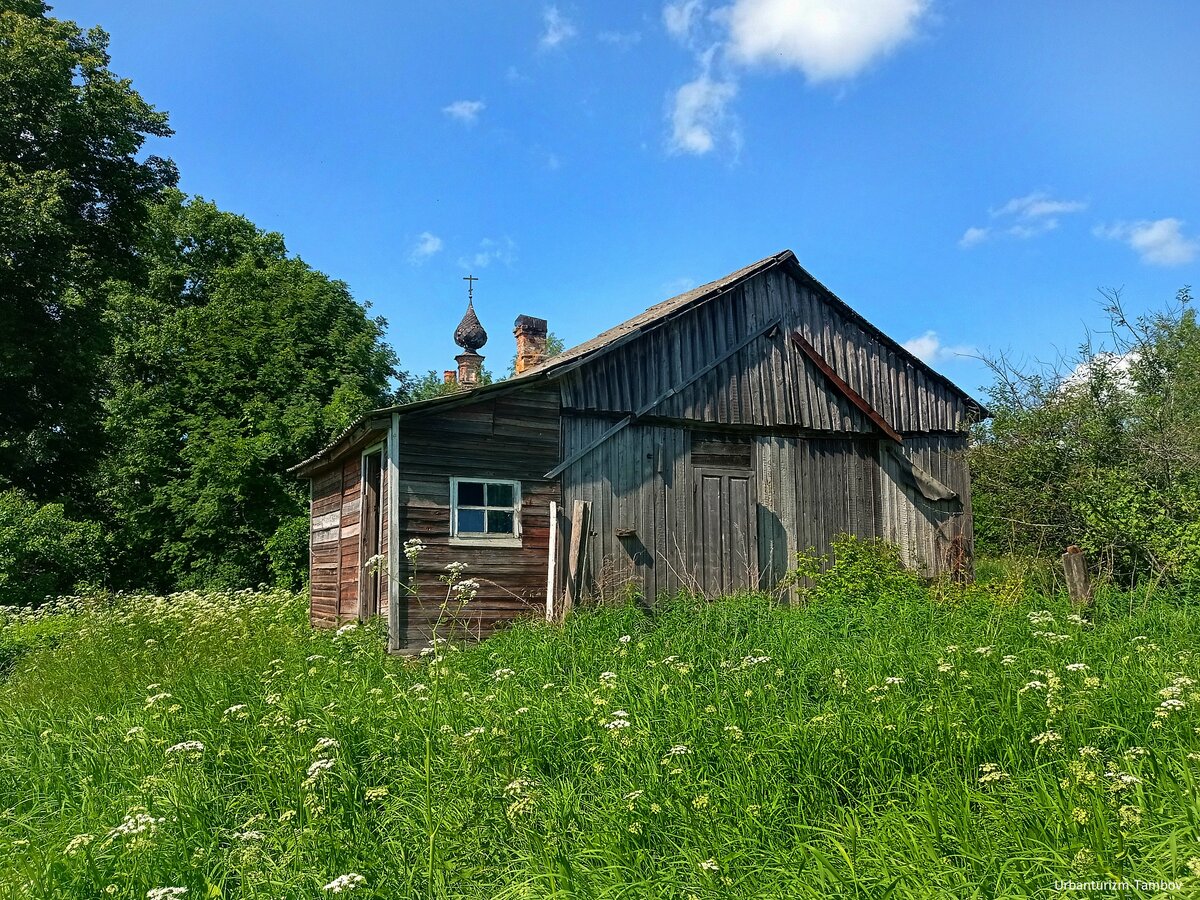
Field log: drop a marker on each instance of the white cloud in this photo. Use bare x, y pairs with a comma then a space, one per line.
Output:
699, 118
426, 246
1024, 231
558, 29
1037, 205
1157, 243
929, 348
973, 236
465, 111
826, 39
490, 251
1022, 218
680, 17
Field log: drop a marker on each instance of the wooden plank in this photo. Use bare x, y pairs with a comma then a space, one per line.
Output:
579, 525
848, 392
552, 564
670, 392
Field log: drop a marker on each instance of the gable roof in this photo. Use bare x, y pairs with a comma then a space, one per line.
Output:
631, 328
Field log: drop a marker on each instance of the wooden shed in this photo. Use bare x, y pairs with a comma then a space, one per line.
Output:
699, 445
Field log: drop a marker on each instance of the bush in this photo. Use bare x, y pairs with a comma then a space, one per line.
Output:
287, 550
1104, 454
43, 552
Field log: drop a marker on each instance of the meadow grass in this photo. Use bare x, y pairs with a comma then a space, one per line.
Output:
882, 738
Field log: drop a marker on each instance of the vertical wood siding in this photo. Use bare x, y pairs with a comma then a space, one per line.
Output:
767, 382
923, 528
807, 490
511, 437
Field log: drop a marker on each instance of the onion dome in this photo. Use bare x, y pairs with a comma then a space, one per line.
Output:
470, 334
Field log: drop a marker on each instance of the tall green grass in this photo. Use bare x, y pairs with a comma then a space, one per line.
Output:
881, 739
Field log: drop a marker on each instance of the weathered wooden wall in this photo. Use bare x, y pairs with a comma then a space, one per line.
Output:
324, 573
335, 537
811, 489
808, 489
514, 436
768, 382
925, 529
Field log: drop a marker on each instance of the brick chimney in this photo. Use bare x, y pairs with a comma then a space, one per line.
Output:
450, 376
531, 342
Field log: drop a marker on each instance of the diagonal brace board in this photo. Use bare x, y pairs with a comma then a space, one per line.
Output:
843, 388
665, 395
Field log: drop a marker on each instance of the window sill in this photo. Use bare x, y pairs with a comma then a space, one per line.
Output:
506, 542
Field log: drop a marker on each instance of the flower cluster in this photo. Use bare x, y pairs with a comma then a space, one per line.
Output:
343, 883
186, 747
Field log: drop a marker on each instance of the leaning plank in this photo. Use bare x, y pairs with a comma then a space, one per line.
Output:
579, 525
552, 564
843, 388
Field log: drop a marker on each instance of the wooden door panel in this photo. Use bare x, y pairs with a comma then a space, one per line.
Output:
724, 545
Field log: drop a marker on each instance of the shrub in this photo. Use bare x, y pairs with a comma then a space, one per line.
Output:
44, 552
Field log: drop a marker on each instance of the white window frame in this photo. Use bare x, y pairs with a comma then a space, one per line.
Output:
484, 540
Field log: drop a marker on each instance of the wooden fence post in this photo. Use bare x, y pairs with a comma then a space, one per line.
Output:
1079, 584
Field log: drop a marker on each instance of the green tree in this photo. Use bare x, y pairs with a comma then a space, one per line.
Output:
231, 363
44, 552
1104, 454
73, 198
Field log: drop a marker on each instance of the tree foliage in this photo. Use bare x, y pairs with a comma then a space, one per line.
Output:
232, 362
44, 552
73, 200
1105, 455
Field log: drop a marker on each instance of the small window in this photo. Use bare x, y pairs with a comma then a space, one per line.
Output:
485, 511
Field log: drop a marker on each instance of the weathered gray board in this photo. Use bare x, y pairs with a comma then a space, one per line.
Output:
806, 490
767, 382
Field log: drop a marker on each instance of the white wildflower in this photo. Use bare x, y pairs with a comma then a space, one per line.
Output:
165, 893
413, 548
77, 843
135, 822
347, 882
186, 747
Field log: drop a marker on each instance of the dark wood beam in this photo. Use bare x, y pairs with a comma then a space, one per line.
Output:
843, 388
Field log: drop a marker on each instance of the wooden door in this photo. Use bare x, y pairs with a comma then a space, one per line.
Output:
370, 576
724, 540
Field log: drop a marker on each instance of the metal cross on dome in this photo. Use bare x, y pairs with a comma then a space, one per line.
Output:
470, 280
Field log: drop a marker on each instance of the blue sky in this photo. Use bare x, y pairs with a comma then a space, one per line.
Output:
965, 174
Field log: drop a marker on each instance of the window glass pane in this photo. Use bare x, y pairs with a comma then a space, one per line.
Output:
500, 495
470, 521
470, 493
499, 522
